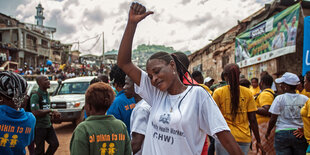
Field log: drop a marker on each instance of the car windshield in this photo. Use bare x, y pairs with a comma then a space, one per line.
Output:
73, 88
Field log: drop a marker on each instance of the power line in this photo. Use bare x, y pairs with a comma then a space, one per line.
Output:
81, 42
93, 46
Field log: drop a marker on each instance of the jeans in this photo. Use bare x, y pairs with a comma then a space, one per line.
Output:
48, 135
285, 143
220, 150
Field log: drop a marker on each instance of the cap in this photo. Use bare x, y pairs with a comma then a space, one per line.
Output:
288, 78
207, 79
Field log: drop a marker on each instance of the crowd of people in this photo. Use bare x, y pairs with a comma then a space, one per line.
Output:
55, 72
164, 110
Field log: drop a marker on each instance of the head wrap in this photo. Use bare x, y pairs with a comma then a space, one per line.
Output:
13, 86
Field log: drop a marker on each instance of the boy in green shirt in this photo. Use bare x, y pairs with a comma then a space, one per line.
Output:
100, 134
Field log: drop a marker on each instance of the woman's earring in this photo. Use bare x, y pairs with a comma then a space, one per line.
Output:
173, 72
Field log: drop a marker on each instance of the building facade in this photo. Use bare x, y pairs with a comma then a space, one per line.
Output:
28, 44
212, 58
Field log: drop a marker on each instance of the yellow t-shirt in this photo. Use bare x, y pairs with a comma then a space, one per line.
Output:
264, 98
304, 92
206, 88
305, 115
240, 127
255, 90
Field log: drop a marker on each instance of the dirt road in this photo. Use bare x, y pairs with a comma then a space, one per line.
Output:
64, 132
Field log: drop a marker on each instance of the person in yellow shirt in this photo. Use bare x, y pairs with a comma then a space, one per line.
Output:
238, 108
245, 82
254, 86
300, 88
255, 89
263, 103
305, 92
197, 76
305, 113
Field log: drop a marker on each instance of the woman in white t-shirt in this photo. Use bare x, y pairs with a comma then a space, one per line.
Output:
181, 116
285, 114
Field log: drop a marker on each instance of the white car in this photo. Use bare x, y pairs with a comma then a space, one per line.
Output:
70, 99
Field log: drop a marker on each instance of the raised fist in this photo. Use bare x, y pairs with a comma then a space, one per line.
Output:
137, 13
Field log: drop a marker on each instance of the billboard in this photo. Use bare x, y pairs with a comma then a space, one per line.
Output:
306, 48
269, 39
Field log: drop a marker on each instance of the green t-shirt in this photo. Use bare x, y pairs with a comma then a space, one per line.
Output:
100, 135
218, 85
44, 121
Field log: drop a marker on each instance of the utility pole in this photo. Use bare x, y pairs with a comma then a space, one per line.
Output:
103, 59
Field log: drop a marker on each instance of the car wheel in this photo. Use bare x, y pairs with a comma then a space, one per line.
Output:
80, 118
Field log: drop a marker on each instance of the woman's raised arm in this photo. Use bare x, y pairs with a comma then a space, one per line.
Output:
136, 14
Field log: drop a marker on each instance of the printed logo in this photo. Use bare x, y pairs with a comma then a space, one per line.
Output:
6, 139
165, 118
111, 150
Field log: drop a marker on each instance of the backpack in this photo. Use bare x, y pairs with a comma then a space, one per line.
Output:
28, 104
274, 95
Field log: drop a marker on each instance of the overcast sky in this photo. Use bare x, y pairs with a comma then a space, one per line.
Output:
181, 24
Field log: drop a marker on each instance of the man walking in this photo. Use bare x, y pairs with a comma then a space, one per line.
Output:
40, 107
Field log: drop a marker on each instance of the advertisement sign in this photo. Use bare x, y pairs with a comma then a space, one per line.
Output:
269, 39
306, 49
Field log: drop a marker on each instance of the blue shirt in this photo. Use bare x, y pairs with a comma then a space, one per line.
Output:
121, 108
16, 130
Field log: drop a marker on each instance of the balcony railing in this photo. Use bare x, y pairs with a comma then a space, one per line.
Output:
43, 51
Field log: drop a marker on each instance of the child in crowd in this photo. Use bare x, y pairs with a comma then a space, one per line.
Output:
16, 126
100, 133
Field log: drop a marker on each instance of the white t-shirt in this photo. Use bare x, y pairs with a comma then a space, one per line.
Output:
139, 118
182, 130
287, 106
291, 35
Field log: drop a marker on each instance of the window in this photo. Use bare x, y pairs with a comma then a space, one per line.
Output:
74, 88
225, 60
44, 43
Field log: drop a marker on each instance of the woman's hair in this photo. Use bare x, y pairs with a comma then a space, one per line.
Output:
267, 80
245, 82
118, 76
254, 78
166, 57
13, 87
183, 58
232, 72
291, 87
103, 78
196, 74
100, 96
95, 80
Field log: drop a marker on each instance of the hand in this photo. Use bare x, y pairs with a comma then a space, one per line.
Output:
56, 114
299, 133
260, 147
137, 13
